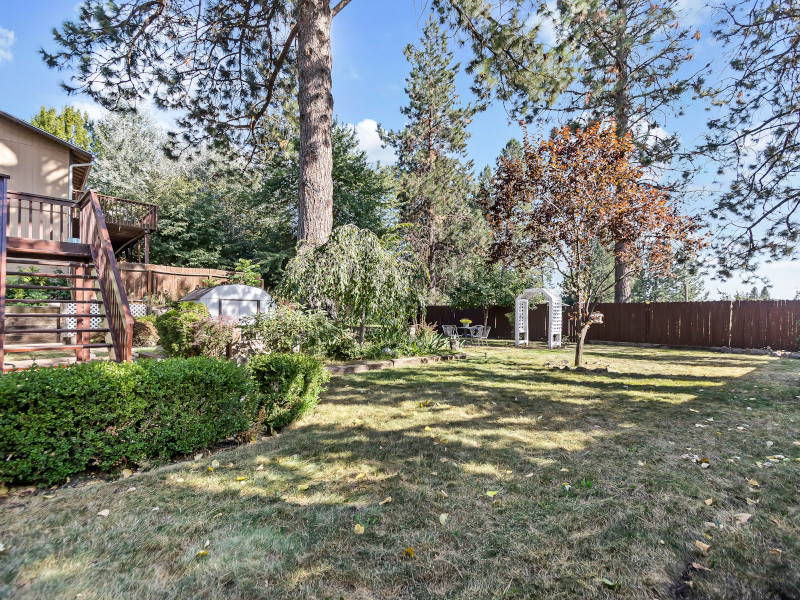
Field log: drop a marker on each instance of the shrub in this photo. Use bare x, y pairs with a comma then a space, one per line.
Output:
212, 336
144, 331
295, 330
289, 385
58, 422
177, 328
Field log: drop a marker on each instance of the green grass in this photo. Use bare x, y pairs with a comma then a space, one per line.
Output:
436, 440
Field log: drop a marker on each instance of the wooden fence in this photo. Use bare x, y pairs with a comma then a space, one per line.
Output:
159, 283
742, 324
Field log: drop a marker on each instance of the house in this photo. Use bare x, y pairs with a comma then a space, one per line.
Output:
71, 237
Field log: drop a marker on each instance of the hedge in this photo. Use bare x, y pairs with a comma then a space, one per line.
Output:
289, 386
55, 422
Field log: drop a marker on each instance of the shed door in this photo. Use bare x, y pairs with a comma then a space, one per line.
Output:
237, 309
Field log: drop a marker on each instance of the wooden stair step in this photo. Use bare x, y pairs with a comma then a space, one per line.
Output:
14, 315
45, 249
12, 301
51, 275
57, 330
69, 288
43, 347
17, 260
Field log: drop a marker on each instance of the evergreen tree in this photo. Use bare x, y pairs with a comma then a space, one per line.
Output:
624, 59
685, 284
756, 135
230, 66
432, 174
70, 124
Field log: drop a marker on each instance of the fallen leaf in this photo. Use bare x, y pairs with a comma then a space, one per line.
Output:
201, 553
198, 456
699, 567
260, 468
126, 473
751, 502
131, 489
704, 548
709, 501
529, 475
229, 465
385, 500
104, 513
427, 428
207, 544
742, 517
215, 463
241, 479
443, 494
409, 552
565, 470
211, 469
752, 482
775, 551
491, 494
302, 487
610, 584
443, 518
360, 476
3, 489
358, 529
770, 444
2, 547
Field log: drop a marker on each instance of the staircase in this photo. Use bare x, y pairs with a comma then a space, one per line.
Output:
49, 267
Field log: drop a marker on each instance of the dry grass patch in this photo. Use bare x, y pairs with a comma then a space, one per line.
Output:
593, 497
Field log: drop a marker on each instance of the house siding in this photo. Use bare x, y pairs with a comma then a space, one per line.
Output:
35, 163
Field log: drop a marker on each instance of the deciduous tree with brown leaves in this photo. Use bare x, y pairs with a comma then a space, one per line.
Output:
577, 191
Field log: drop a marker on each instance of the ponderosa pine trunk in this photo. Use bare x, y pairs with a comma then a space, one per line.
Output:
622, 111
314, 62
622, 275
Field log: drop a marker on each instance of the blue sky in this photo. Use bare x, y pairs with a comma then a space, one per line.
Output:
369, 73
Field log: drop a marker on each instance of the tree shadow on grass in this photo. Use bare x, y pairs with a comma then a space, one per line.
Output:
436, 440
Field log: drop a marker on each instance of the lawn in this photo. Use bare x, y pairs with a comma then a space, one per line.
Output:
507, 478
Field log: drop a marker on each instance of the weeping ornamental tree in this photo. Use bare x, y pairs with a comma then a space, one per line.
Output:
578, 192
357, 280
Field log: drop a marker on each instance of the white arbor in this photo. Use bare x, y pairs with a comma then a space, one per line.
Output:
553, 321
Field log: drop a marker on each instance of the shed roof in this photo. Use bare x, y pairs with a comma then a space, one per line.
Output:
227, 292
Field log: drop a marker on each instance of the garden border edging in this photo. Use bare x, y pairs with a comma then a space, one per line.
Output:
409, 361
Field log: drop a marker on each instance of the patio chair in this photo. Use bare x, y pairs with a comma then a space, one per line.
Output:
475, 333
483, 338
451, 331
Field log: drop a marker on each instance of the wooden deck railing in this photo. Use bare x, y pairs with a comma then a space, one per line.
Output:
39, 217
127, 213
94, 232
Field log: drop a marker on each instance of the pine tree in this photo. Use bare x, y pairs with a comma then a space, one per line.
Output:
756, 135
433, 176
70, 124
230, 67
626, 60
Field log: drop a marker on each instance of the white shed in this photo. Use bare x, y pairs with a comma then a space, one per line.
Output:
234, 301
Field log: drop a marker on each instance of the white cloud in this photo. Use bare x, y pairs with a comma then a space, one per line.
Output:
95, 111
7, 39
547, 25
370, 142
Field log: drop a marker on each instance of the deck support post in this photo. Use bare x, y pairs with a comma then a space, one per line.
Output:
3, 257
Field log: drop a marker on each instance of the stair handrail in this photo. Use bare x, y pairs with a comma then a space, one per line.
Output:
93, 231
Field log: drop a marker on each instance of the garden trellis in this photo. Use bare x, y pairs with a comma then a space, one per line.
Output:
553, 321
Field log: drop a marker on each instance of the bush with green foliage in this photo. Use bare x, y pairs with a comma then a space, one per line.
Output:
289, 385
102, 415
245, 272
144, 331
289, 329
188, 330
